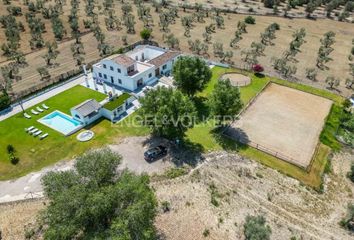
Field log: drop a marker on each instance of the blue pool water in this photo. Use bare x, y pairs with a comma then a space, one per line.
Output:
61, 122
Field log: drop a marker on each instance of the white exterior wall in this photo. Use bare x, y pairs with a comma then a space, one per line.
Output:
169, 67
131, 82
148, 52
126, 81
144, 75
86, 121
110, 114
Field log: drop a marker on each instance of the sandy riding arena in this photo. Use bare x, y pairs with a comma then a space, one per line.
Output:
284, 122
237, 79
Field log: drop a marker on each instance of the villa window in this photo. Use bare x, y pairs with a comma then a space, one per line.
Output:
100, 75
111, 68
164, 67
112, 80
104, 76
119, 81
150, 75
119, 109
104, 66
119, 70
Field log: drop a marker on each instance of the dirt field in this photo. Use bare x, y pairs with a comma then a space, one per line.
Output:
237, 79
285, 121
14, 217
306, 58
243, 187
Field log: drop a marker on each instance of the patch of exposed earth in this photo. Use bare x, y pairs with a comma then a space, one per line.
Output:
241, 187
246, 187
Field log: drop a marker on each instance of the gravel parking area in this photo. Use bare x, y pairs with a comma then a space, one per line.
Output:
132, 150
284, 121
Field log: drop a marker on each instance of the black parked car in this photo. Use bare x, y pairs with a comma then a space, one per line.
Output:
154, 153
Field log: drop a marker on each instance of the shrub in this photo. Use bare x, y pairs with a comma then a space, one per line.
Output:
145, 34
14, 159
5, 101
10, 149
348, 222
352, 51
257, 68
255, 228
206, 232
176, 172
351, 173
275, 26
250, 20
269, 3
328, 167
166, 206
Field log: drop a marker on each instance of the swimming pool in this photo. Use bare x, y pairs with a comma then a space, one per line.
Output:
61, 122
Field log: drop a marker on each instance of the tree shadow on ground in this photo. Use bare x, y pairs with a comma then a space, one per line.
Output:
202, 108
91, 125
230, 139
259, 75
333, 89
184, 152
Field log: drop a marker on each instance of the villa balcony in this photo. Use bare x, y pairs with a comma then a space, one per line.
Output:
132, 73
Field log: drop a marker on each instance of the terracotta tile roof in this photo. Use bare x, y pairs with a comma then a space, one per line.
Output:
124, 60
162, 59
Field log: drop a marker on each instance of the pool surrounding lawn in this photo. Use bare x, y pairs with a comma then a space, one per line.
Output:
61, 122
32, 152
35, 154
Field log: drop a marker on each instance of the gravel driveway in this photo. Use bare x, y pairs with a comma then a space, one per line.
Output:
132, 151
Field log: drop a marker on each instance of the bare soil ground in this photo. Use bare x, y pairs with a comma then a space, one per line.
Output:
257, 7
307, 58
243, 187
291, 122
14, 217
237, 79
246, 188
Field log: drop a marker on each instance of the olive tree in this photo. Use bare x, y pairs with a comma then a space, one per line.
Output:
95, 201
191, 74
167, 112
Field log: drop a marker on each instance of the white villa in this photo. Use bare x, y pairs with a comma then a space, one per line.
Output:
135, 69
90, 110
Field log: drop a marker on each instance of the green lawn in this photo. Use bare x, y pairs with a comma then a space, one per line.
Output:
35, 154
205, 135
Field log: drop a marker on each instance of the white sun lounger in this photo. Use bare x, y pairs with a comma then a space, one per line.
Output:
43, 136
34, 112
45, 106
37, 133
27, 115
39, 109
33, 130
29, 129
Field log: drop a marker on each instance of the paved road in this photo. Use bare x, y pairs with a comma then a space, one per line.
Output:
43, 97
